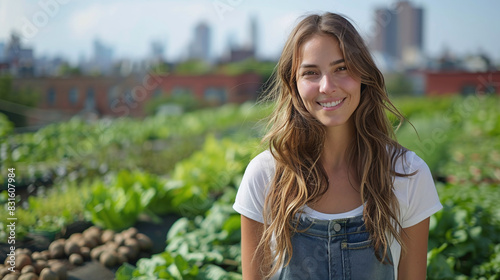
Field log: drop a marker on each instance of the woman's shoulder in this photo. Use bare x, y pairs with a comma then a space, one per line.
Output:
262, 164
409, 162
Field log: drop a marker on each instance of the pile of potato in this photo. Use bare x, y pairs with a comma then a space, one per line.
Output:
109, 248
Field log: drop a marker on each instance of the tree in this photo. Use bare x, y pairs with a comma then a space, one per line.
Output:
398, 85
23, 97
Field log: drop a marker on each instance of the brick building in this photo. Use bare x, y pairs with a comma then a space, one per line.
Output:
64, 97
461, 82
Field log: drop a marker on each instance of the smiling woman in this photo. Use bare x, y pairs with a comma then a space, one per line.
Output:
335, 196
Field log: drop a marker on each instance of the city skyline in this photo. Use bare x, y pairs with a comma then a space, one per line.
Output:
68, 28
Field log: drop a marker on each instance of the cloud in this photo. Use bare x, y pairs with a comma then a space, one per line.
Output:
87, 21
11, 14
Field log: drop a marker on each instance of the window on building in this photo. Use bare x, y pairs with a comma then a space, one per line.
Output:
129, 98
90, 101
157, 92
181, 91
51, 97
468, 89
73, 96
215, 95
490, 88
113, 95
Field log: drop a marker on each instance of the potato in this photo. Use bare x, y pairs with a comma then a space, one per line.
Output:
71, 247
48, 274
127, 252
28, 268
60, 269
40, 265
46, 254
145, 242
3, 271
93, 233
85, 252
38, 256
28, 276
113, 246
108, 259
121, 259
119, 239
89, 242
76, 236
23, 251
107, 236
11, 276
97, 251
56, 249
130, 233
76, 259
22, 260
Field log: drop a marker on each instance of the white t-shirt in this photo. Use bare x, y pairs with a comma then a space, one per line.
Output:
417, 195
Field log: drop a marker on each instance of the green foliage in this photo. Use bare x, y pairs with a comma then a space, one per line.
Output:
5, 126
78, 149
160, 266
263, 68
187, 102
49, 211
192, 67
22, 99
205, 175
118, 203
67, 70
208, 236
398, 85
463, 237
200, 248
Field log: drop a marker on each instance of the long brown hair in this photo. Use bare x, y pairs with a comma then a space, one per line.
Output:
296, 140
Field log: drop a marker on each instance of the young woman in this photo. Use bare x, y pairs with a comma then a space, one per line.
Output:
335, 196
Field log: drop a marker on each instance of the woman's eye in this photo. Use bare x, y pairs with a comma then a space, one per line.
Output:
306, 73
342, 68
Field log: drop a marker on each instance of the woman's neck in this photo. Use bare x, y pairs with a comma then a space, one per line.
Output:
338, 140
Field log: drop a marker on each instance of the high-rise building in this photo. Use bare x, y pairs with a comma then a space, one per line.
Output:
2, 48
103, 57
158, 51
253, 34
399, 33
200, 46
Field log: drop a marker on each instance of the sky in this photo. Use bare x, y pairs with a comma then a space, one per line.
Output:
68, 28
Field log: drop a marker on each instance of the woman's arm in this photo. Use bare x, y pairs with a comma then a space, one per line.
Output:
413, 264
251, 232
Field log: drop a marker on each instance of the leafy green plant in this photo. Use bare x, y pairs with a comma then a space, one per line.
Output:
200, 248
49, 211
463, 236
117, 204
204, 176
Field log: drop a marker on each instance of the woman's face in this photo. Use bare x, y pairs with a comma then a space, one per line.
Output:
327, 90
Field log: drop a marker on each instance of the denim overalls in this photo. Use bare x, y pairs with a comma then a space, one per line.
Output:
334, 249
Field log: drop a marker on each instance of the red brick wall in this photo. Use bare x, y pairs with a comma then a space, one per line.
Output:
439, 83
238, 89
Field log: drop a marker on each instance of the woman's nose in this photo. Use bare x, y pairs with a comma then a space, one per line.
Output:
327, 84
